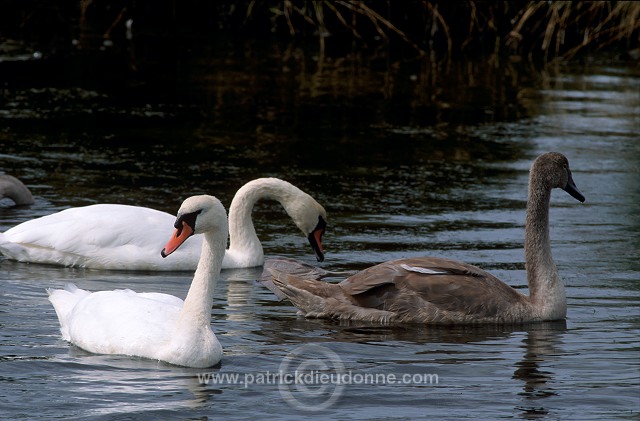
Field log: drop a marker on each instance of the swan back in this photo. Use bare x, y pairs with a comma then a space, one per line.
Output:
101, 236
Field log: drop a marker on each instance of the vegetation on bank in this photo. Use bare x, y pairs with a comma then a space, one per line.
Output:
440, 29
446, 29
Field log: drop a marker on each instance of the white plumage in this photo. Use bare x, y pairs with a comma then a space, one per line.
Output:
122, 237
154, 325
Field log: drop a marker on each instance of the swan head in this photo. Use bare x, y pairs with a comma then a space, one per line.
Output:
311, 218
197, 215
553, 170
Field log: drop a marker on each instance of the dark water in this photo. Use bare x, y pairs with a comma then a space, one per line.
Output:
397, 181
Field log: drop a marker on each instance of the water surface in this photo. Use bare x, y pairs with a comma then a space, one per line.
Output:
394, 185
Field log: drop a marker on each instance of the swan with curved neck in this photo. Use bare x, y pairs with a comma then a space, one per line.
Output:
245, 249
154, 325
122, 237
15, 190
440, 291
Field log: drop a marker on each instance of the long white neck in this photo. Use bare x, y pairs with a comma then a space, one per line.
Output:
546, 291
242, 233
196, 310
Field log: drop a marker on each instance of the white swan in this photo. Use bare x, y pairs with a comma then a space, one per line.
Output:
154, 325
122, 237
15, 190
440, 291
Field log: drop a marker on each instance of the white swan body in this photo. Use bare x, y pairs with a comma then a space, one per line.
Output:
154, 325
103, 236
122, 237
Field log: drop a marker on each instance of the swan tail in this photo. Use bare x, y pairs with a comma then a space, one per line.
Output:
310, 296
301, 269
320, 299
271, 286
19, 251
64, 301
7, 248
292, 267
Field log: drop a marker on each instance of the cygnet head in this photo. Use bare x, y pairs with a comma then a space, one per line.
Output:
552, 170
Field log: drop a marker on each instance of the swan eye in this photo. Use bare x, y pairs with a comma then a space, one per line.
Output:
187, 218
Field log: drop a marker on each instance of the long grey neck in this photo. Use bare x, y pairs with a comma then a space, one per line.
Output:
545, 287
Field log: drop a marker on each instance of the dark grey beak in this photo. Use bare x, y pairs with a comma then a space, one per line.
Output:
573, 190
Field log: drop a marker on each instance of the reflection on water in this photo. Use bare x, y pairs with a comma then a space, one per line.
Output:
407, 163
541, 343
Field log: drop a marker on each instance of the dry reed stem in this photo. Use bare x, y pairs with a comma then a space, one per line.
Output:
342, 20
375, 18
445, 27
540, 26
287, 9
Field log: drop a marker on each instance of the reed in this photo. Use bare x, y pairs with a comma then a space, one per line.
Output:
437, 29
446, 29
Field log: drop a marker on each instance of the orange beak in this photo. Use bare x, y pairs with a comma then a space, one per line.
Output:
315, 239
317, 234
179, 236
